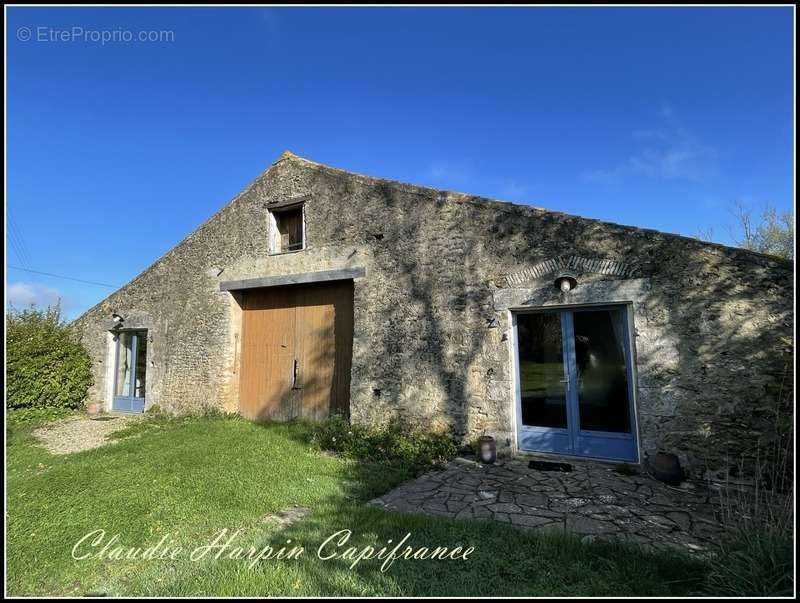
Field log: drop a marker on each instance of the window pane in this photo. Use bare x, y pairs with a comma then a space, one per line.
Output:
541, 370
124, 360
602, 376
141, 365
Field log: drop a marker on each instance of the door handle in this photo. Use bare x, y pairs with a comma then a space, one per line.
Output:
295, 367
565, 381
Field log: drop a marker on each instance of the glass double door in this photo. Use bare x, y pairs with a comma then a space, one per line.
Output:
130, 372
575, 383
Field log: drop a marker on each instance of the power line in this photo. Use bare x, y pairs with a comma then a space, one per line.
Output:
14, 243
69, 278
17, 241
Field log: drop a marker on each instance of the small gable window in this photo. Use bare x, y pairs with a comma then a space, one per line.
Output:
287, 229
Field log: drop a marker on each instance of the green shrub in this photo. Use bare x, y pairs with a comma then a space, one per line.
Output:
32, 416
46, 367
214, 412
396, 445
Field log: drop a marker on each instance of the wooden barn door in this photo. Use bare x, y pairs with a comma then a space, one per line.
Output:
297, 346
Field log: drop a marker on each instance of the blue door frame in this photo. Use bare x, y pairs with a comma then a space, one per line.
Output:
129, 402
573, 440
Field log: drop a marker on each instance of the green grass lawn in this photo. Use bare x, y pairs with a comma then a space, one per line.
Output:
191, 478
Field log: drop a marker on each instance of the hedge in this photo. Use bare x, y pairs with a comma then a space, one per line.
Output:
46, 366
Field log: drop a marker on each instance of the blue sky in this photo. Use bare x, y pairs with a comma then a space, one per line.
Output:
659, 118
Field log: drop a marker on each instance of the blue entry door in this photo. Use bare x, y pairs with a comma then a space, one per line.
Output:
574, 378
130, 371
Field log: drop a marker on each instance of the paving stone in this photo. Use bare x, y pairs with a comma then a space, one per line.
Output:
568, 504
660, 521
588, 508
603, 491
404, 507
505, 508
505, 497
456, 505
592, 501
529, 520
456, 490
683, 520
542, 512
424, 482
618, 511
532, 500
660, 499
469, 482
585, 525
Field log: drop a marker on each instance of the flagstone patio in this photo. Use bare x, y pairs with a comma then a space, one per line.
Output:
593, 501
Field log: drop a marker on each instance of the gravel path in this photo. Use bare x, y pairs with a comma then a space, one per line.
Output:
76, 435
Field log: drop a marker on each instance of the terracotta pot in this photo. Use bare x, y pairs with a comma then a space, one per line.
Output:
667, 468
487, 449
91, 408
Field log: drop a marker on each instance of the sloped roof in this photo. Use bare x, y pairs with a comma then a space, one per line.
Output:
462, 197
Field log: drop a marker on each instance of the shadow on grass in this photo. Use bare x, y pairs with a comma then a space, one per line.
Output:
505, 561
192, 478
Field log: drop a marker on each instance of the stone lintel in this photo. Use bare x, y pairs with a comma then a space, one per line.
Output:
294, 279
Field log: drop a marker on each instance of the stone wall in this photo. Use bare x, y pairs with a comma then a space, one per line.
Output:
431, 334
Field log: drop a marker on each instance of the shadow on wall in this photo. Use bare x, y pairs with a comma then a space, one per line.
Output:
731, 386
726, 312
431, 326
728, 315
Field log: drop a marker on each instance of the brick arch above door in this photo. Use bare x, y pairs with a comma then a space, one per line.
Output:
574, 263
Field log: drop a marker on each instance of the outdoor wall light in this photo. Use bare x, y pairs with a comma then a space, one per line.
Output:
565, 282
117, 326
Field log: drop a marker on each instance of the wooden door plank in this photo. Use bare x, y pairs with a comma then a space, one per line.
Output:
311, 324
315, 350
343, 331
267, 354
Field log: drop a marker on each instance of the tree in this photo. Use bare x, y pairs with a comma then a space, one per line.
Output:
772, 233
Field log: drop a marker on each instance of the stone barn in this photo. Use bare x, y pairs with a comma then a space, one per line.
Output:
318, 291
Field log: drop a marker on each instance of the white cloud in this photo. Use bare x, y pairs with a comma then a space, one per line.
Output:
669, 152
24, 295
